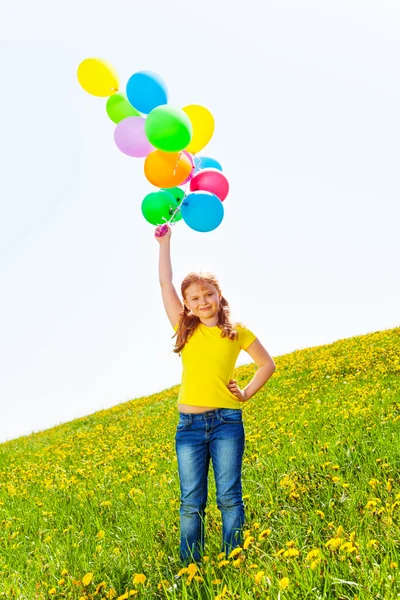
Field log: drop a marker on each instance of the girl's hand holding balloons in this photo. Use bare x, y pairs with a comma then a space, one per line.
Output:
235, 389
163, 233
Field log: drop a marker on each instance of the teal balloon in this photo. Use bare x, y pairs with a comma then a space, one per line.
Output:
206, 162
178, 194
118, 108
168, 129
202, 211
157, 205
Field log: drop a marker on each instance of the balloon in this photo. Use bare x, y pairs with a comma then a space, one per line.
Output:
203, 126
178, 194
166, 169
157, 205
202, 211
206, 162
168, 128
130, 137
211, 180
119, 108
98, 77
146, 90
189, 177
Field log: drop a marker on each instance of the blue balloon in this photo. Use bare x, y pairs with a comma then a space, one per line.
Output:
145, 90
206, 162
202, 211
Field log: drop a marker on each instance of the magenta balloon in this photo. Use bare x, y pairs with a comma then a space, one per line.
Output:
130, 137
210, 180
190, 157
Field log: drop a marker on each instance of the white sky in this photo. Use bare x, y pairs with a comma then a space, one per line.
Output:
306, 99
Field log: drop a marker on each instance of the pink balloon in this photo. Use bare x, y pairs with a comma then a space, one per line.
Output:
190, 157
210, 180
130, 137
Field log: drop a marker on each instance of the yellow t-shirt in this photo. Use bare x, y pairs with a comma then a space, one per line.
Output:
208, 361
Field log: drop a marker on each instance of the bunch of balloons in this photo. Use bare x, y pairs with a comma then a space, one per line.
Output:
168, 138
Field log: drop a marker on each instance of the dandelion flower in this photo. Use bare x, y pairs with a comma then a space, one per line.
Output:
284, 583
87, 578
259, 576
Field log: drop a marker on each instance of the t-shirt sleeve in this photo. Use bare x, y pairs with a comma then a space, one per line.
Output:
246, 337
176, 326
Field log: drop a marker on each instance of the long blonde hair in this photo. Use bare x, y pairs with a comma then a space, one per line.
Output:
188, 323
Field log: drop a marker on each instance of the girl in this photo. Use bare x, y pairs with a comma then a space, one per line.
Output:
210, 420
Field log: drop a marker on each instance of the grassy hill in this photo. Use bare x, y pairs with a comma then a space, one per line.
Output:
90, 508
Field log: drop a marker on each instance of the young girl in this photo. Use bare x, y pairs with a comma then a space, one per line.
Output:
209, 402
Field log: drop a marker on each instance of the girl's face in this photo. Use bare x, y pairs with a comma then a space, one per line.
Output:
203, 300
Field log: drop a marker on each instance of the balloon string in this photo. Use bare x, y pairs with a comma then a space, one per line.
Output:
179, 205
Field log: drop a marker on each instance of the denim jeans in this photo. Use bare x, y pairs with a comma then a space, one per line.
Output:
218, 434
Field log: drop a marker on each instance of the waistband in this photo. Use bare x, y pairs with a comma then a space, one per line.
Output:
209, 414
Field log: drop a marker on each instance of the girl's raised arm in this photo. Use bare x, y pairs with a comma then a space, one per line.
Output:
173, 306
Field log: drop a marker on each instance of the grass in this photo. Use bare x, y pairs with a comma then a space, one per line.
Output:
90, 509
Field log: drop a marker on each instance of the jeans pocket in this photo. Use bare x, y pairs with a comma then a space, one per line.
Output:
231, 415
182, 423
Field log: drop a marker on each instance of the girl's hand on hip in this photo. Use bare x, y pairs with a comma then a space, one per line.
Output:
235, 389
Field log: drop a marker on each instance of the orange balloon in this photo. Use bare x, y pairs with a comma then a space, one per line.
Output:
167, 169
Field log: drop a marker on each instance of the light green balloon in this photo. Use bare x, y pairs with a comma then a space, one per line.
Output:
168, 129
178, 194
118, 107
157, 205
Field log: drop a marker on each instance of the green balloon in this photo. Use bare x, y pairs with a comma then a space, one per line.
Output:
157, 205
178, 194
168, 129
118, 107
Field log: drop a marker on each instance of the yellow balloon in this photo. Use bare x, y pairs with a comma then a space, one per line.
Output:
98, 77
203, 126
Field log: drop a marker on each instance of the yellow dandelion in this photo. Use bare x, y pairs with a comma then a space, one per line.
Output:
247, 542
315, 563
290, 544
339, 530
373, 544
264, 534
313, 554
222, 563
320, 513
238, 561
284, 583
139, 578
216, 581
64, 572
162, 583
61, 582
259, 576
393, 565
87, 578
100, 535
334, 543
222, 594
52, 591
235, 551
192, 568
291, 553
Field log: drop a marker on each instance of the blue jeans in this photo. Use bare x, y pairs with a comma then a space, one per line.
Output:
218, 434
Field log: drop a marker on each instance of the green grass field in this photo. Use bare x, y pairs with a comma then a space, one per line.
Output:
90, 509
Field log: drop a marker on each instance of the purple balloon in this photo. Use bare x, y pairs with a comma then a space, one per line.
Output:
130, 137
